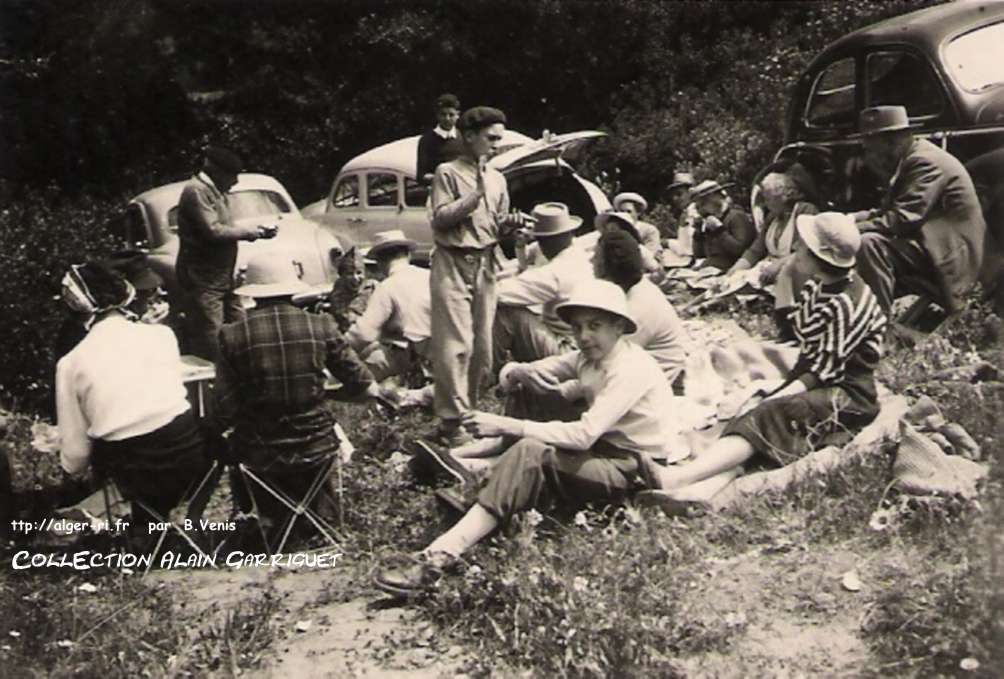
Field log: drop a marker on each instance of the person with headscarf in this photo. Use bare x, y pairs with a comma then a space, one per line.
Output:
121, 405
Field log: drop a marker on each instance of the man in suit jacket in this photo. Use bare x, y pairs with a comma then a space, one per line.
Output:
725, 231
928, 235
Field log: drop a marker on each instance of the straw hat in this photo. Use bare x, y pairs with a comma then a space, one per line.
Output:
706, 188
681, 179
630, 197
879, 119
553, 219
271, 275
832, 236
389, 239
597, 294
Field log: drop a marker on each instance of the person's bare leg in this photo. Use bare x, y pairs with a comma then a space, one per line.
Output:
476, 524
725, 454
703, 491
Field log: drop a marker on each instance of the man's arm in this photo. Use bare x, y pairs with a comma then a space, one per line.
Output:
75, 445
922, 184
197, 207
344, 364
538, 285
369, 327
448, 207
425, 162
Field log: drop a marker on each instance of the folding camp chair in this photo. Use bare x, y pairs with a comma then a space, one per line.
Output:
194, 501
276, 539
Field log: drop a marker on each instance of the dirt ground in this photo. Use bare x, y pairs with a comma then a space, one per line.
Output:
789, 609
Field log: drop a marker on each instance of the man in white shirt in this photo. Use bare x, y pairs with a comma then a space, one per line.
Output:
394, 330
597, 458
526, 325
440, 144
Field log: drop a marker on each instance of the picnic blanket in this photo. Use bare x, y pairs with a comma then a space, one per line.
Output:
725, 366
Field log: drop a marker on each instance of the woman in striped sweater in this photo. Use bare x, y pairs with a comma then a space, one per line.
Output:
839, 326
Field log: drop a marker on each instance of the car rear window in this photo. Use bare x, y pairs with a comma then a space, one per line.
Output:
833, 103
976, 59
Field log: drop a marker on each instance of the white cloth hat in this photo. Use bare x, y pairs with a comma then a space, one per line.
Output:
271, 274
832, 236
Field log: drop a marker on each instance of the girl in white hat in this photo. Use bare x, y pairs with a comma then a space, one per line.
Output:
831, 390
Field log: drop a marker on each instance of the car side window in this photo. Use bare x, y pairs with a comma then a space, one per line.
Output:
833, 101
130, 227
381, 189
416, 194
899, 78
346, 194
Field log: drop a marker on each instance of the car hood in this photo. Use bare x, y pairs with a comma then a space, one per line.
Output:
564, 146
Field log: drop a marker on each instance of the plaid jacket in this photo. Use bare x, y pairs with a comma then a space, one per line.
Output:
270, 383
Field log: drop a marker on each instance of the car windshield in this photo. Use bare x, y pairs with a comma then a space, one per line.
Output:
976, 59
245, 205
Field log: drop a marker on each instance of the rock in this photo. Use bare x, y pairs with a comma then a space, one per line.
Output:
851, 581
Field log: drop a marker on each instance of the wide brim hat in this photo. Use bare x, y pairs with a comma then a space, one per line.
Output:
389, 239
707, 188
552, 219
597, 294
271, 275
681, 179
630, 197
831, 236
881, 119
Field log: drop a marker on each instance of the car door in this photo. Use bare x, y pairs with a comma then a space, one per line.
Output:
383, 204
344, 214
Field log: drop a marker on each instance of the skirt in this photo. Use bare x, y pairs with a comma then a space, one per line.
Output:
786, 429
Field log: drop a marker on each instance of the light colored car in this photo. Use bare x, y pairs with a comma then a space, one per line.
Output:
377, 190
150, 223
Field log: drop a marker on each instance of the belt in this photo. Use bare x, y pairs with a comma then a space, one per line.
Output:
470, 254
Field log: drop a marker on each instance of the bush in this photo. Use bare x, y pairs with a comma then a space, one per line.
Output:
40, 236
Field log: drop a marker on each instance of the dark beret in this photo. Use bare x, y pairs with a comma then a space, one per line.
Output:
447, 101
480, 117
223, 159
621, 258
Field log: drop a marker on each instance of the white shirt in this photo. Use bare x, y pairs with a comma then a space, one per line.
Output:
660, 331
541, 288
122, 380
629, 402
399, 308
444, 134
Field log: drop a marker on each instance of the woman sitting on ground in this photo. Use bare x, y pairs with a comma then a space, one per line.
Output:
786, 195
594, 459
839, 326
120, 401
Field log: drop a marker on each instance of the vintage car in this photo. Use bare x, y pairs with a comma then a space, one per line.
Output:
945, 64
150, 223
378, 190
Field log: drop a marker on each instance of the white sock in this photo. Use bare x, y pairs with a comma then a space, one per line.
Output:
476, 524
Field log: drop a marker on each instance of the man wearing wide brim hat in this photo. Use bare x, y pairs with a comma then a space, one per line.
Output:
636, 205
595, 458
725, 230
270, 378
392, 335
526, 326
927, 237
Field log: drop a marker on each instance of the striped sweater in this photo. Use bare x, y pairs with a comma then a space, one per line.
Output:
840, 327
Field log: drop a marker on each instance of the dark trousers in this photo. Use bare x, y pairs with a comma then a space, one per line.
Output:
206, 309
533, 475
883, 260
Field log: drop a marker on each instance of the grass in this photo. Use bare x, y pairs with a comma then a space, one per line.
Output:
608, 592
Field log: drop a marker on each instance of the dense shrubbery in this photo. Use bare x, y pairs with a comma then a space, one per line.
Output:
40, 236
